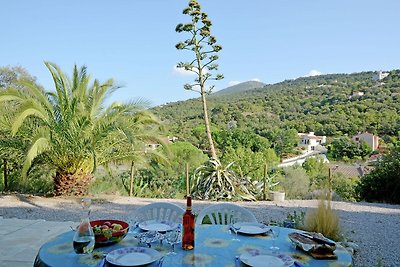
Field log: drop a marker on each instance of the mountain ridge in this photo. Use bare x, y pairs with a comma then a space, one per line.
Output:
240, 87
329, 104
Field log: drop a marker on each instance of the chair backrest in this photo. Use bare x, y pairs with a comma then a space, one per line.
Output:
160, 211
221, 213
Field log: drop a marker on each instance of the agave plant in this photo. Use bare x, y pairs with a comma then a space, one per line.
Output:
217, 182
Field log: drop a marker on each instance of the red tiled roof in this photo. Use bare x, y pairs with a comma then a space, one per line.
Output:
310, 136
349, 171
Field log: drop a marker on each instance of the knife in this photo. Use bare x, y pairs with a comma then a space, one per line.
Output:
318, 239
237, 262
102, 263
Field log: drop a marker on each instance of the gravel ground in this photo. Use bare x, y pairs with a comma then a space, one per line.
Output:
374, 227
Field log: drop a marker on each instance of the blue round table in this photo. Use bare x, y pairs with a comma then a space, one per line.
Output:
213, 247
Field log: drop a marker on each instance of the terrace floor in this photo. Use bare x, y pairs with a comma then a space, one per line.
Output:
20, 240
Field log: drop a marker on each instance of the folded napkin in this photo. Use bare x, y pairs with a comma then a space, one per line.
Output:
314, 244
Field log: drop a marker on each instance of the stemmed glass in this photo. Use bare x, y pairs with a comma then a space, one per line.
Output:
174, 237
234, 225
275, 230
133, 226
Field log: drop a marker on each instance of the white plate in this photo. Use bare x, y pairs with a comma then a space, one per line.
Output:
260, 259
133, 256
252, 228
159, 226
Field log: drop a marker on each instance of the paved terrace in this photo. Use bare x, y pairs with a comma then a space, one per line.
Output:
20, 240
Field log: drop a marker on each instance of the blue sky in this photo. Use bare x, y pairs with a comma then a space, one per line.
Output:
133, 42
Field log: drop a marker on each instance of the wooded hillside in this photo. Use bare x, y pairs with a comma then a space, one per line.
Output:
331, 105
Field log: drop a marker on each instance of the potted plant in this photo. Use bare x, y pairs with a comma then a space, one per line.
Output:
277, 195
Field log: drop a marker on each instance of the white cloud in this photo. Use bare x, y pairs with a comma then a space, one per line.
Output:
232, 83
182, 71
255, 80
313, 73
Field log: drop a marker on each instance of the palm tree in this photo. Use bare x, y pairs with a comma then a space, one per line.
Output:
71, 126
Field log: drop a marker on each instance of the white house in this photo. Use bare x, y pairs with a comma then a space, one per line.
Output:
310, 141
168, 140
370, 139
356, 94
380, 75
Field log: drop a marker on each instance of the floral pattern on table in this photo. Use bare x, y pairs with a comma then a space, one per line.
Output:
301, 257
216, 243
197, 259
249, 248
62, 248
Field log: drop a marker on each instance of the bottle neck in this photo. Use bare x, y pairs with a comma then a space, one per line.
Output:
188, 203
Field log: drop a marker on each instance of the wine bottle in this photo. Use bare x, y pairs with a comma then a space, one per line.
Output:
188, 226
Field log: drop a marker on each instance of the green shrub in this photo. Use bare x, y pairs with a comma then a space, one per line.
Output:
39, 180
383, 183
107, 184
345, 187
295, 183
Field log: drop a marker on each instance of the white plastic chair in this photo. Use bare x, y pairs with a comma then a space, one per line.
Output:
160, 211
221, 214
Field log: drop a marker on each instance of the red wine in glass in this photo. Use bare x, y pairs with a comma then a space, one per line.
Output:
83, 244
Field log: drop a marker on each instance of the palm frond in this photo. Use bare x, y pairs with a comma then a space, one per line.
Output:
28, 108
39, 145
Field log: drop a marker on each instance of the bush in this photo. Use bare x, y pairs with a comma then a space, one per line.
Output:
295, 183
383, 183
39, 180
344, 187
107, 184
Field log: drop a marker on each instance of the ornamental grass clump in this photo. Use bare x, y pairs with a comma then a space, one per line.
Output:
323, 220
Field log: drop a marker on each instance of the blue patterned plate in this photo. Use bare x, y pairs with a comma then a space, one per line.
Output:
159, 226
264, 259
251, 228
133, 256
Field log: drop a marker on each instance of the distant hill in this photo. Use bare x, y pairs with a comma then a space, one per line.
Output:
238, 88
333, 105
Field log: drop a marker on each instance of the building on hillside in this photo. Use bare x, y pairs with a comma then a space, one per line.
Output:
168, 140
380, 75
374, 158
310, 141
349, 170
370, 139
356, 94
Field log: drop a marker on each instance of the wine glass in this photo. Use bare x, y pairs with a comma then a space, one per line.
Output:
234, 225
133, 226
275, 231
174, 237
